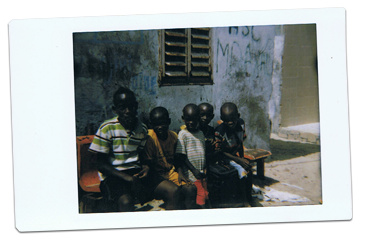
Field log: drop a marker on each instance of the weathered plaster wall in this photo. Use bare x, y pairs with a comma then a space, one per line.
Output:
275, 101
242, 71
103, 61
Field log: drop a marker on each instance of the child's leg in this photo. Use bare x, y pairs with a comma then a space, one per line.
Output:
125, 203
118, 194
170, 193
202, 193
246, 190
189, 192
248, 186
243, 183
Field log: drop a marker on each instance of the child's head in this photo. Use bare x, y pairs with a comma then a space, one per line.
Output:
206, 114
160, 121
190, 115
125, 106
229, 114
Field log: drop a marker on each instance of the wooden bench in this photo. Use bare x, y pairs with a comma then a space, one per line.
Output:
259, 156
256, 155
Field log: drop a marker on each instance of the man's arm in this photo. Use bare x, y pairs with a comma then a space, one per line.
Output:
107, 169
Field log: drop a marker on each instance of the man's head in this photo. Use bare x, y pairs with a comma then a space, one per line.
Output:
125, 106
190, 115
229, 114
160, 121
206, 114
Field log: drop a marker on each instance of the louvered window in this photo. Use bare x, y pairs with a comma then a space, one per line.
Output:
185, 57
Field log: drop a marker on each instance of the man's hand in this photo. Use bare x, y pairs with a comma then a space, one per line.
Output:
143, 173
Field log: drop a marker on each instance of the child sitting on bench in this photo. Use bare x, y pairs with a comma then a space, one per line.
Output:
159, 154
191, 152
229, 136
123, 177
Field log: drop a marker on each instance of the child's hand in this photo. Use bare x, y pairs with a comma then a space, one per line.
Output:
182, 178
143, 173
246, 165
198, 174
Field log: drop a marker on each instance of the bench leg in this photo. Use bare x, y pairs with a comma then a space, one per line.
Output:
261, 168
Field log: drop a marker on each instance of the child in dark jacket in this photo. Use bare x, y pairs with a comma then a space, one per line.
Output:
206, 115
229, 136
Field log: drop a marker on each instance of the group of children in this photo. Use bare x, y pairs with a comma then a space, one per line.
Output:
137, 163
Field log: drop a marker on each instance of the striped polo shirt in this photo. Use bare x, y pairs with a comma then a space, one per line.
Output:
120, 144
192, 145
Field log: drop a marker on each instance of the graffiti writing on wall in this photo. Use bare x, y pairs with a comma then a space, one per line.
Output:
245, 32
246, 50
145, 83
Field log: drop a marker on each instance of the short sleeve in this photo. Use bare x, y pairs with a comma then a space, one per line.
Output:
102, 141
149, 150
180, 147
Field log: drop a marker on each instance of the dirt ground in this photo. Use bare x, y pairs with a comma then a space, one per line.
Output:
292, 175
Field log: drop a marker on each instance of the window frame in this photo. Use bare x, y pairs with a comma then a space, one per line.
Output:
194, 53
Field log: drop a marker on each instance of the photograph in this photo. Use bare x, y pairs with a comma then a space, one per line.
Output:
261, 80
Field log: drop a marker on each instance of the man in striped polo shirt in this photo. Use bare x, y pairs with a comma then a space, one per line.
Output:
116, 142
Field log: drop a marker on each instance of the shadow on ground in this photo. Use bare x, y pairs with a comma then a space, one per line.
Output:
265, 182
282, 150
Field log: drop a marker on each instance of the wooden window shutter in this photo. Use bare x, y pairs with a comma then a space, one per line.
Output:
185, 57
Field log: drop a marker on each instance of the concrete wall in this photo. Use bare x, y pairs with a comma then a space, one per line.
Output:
299, 96
275, 100
243, 66
106, 60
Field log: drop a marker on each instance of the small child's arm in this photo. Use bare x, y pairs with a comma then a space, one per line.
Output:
197, 174
239, 160
181, 160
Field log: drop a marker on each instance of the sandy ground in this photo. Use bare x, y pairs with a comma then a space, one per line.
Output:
295, 181
292, 174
